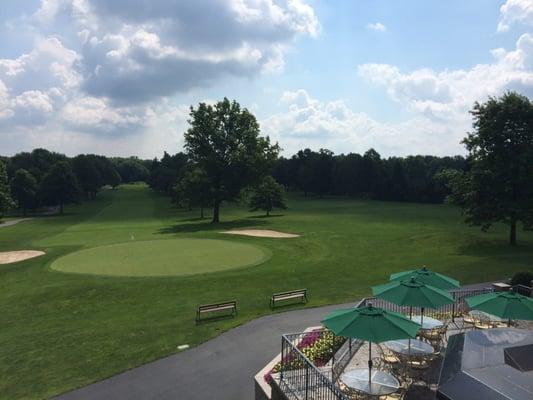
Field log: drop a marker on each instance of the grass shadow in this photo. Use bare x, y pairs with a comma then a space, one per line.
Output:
267, 217
206, 225
214, 318
498, 250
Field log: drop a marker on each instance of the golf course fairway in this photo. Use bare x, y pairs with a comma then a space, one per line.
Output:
162, 258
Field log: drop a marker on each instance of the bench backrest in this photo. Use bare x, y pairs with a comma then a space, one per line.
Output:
214, 306
299, 291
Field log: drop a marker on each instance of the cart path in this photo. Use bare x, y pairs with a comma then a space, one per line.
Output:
222, 368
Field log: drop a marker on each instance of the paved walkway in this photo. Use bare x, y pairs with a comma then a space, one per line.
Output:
222, 368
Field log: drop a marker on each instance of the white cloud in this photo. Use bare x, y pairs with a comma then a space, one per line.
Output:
148, 49
515, 11
308, 122
377, 26
437, 101
100, 74
449, 94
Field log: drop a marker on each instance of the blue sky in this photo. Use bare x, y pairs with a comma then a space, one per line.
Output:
81, 76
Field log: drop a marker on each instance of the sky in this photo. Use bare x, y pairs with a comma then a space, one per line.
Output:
118, 77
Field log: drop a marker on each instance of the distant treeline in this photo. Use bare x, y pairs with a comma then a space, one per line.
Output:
44, 178
322, 173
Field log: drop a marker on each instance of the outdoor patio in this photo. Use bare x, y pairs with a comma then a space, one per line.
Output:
319, 365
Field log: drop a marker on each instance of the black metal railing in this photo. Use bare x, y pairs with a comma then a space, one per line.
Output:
448, 311
523, 290
301, 379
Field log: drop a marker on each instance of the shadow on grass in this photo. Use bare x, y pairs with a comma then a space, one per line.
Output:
267, 217
214, 318
498, 249
206, 225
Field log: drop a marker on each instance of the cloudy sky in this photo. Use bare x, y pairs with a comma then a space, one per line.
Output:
117, 77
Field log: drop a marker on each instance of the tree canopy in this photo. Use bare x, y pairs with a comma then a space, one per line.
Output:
24, 189
5, 198
60, 186
224, 141
498, 185
194, 189
267, 195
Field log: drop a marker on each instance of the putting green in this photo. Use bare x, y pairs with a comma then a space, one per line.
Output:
162, 258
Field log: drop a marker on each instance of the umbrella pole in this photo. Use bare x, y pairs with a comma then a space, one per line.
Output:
409, 346
369, 365
509, 322
422, 317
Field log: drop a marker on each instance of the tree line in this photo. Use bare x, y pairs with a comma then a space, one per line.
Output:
225, 157
40, 178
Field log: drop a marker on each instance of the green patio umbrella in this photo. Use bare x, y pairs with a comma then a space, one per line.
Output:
413, 293
428, 277
508, 305
372, 324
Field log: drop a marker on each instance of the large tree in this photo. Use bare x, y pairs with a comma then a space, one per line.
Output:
267, 196
498, 186
224, 141
5, 198
60, 186
194, 189
24, 189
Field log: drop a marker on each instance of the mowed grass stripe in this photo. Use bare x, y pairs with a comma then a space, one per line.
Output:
173, 257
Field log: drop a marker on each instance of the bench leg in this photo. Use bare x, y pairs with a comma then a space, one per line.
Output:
197, 317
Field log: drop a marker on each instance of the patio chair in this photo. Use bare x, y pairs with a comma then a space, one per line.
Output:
349, 392
484, 325
468, 319
436, 337
405, 384
387, 357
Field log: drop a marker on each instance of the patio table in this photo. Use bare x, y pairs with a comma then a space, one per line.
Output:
428, 323
418, 347
382, 384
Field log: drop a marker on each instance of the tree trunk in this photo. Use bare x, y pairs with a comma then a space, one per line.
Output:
61, 208
216, 211
201, 211
512, 234
24, 211
268, 213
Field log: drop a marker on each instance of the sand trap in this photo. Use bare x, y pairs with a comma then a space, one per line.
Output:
9, 257
262, 233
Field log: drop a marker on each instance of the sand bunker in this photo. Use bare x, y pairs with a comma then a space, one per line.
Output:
9, 257
262, 233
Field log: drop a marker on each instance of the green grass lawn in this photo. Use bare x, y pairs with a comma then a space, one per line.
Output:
59, 331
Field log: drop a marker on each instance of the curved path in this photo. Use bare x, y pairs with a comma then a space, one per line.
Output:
222, 368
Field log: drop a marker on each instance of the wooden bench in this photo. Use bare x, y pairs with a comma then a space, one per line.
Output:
209, 308
293, 294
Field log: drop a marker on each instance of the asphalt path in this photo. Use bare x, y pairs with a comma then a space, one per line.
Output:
222, 368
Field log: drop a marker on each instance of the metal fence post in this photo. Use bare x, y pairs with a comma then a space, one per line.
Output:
306, 381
